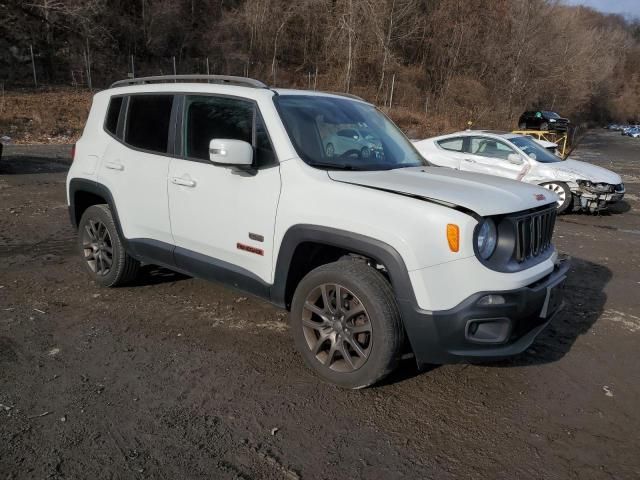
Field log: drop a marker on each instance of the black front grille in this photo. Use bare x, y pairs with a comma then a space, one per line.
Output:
533, 234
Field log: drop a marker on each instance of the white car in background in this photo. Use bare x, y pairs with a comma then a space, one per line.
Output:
520, 157
352, 141
551, 147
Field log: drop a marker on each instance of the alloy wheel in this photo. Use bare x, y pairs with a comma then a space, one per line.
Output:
97, 247
558, 190
337, 328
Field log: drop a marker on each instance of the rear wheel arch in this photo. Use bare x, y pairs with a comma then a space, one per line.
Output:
85, 193
81, 201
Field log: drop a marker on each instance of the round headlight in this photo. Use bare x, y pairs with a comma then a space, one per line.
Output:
487, 238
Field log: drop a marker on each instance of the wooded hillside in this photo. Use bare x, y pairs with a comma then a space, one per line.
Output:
449, 61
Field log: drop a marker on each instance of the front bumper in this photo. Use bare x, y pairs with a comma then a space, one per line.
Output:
472, 331
558, 126
614, 197
596, 200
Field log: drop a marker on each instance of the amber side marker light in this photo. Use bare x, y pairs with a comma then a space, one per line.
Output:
453, 237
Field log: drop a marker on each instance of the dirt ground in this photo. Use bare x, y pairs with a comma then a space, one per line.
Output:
180, 378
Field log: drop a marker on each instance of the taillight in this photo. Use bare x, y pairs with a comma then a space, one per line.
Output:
73, 152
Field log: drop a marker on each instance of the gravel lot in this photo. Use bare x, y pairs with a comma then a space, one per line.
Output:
179, 378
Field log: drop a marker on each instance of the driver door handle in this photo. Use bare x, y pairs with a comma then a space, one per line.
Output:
184, 182
470, 160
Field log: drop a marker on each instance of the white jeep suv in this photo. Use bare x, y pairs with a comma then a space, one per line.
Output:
376, 257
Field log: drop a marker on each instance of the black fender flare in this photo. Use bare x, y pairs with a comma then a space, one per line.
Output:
414, 324
352, 242
91, 186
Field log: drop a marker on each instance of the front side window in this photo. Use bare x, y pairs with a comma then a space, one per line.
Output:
209, 117
490, 147
534, 150
453, 144
317, 125
148, 120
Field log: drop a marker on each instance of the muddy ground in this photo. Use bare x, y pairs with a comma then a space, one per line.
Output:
179, 378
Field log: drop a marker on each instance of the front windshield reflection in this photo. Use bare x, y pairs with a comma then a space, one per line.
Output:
332, 132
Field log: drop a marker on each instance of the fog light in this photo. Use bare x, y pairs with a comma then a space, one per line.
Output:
492, 300
488, 330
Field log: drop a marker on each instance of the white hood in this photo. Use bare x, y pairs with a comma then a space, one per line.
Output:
483, 194
585, 171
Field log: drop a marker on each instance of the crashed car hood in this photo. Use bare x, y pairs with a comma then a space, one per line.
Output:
482, 194
586, 171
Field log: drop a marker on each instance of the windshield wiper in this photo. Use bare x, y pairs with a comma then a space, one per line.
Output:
337, 166
409, 165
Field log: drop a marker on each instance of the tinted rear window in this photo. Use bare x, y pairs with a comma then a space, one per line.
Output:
148, 122
113, 113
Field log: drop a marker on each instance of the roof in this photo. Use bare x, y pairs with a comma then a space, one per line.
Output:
217, 79
494, 132
468, 133
241, 86
318, 93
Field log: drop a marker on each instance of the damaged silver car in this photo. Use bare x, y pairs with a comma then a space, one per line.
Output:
578, 185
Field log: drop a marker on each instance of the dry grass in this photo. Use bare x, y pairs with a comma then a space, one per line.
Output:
44, 116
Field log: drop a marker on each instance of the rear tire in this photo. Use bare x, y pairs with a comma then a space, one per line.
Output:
102, 248
522, 126
352, 343
544, 126
565, 197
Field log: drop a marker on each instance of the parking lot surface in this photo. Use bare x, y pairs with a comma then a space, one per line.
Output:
175, 377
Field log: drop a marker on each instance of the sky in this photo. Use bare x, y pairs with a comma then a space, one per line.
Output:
624, 7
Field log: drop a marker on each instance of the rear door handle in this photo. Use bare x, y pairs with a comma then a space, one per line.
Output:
184, 182
114, 166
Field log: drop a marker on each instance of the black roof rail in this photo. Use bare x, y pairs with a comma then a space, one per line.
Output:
223, 79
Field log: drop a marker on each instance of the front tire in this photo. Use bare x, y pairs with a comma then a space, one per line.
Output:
544, 126
102, 248
346, 323
565, 197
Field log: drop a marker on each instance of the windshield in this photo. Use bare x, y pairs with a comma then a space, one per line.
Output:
552, 115
329, 132
534, 150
